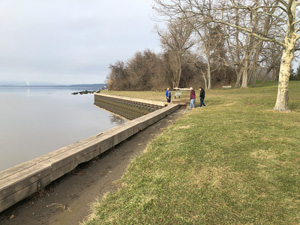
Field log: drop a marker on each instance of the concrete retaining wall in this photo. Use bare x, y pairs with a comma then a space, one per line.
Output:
25, 179
129, 108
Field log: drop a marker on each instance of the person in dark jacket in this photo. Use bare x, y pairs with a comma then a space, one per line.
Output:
168, 95
202, 96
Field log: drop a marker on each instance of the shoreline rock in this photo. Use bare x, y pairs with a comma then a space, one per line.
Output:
83, 92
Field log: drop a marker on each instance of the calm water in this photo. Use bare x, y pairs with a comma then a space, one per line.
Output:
36, 121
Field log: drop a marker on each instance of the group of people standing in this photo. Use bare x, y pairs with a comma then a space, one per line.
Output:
192, 97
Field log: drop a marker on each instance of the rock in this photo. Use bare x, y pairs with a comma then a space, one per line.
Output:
83, 92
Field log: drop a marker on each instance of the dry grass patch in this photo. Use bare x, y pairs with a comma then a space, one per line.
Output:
179, 161
213, 175
263, 155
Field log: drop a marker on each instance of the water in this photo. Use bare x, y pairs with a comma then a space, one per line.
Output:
36, 121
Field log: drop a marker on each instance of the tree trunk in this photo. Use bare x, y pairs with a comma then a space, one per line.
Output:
283, 82
208, 77
265, 77
238, 79
177, 72
286, 60
245, 74
208, 70
205, 80
253, 77
178, 76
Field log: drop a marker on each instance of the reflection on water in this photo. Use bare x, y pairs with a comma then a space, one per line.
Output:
36, 121
116, 119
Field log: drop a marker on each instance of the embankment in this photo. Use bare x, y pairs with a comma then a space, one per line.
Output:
129, 108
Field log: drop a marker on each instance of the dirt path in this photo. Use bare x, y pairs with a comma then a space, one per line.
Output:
68, 200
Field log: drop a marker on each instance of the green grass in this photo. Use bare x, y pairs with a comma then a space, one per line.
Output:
235, 161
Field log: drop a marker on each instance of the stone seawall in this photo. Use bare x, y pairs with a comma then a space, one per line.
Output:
129, 108
23, 180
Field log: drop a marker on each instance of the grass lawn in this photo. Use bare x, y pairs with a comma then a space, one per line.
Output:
235, 161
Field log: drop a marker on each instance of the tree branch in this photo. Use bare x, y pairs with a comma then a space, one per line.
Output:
253, 8
272, 15
283, 3
250, 32
296, 22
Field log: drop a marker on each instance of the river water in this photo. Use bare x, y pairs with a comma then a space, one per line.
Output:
36, 121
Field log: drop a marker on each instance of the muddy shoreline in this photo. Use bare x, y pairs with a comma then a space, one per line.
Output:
69, 199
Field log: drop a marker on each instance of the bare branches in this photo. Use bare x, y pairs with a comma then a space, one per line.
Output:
249, 8
177, 40
257, 35
296, 22
283, 3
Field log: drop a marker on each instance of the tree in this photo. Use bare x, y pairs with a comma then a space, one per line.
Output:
271, 60
282, 10
118, 77
208, 36
145, 71
212, 42
177, 41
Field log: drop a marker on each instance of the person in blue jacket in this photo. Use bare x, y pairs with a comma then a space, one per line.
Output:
168, 95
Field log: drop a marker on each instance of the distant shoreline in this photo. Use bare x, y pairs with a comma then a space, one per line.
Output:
58, 85
72, 86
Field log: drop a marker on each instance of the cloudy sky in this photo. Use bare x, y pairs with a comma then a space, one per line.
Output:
71, 41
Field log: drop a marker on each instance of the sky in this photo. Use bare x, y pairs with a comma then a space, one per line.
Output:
71, 41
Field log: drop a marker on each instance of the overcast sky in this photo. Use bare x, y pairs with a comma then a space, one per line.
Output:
71, 41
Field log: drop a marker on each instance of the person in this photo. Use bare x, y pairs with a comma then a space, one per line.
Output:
192, 98
168, 95
202, 96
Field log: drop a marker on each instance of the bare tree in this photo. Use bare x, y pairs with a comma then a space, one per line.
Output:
244, 49
118, 77
269, 26
210, 40
282, 10
208, 37
176, 40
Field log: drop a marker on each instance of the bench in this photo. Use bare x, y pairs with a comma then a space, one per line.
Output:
226, 87
177, 94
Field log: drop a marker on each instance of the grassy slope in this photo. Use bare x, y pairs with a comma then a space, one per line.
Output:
235, 161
